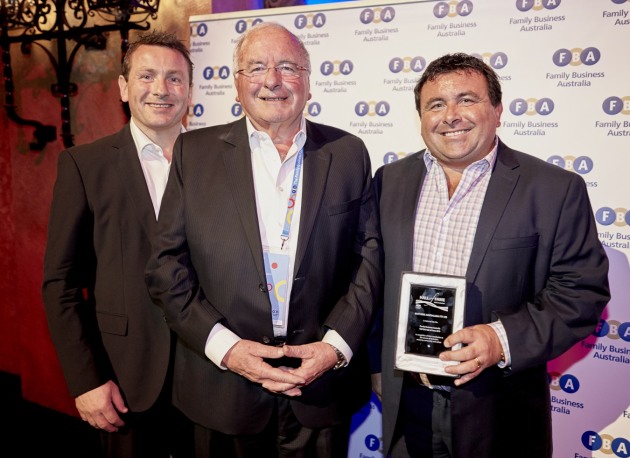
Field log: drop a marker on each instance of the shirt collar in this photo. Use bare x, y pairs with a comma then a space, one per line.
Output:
144, 143
255, 136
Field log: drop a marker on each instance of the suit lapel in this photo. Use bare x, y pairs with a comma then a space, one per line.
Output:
314, 176
238, 165
500, 189
132, 179
410, 184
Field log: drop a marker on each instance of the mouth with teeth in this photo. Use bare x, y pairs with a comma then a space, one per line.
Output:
160, 105
273, 99
455, 133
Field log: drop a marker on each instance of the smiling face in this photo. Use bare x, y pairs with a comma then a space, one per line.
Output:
157, 89
458, 121
272, 103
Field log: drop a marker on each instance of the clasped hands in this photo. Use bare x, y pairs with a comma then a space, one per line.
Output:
247, 357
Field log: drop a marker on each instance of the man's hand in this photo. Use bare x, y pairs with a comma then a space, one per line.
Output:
317, 358
377, 385
246, 358
482, 350
100, 407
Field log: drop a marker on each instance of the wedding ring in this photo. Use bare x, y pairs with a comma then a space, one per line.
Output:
478, 362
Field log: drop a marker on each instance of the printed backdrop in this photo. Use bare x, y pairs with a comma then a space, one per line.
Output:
565, 74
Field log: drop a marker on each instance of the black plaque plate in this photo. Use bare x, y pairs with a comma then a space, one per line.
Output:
431, 308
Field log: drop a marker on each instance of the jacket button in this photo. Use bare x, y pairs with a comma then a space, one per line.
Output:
266, 340
262, 288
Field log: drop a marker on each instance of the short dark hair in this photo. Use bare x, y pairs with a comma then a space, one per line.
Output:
157, 38
460, 62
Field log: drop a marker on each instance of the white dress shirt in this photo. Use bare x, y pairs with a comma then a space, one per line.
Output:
154, 165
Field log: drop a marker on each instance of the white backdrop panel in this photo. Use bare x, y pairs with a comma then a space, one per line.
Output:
565, 74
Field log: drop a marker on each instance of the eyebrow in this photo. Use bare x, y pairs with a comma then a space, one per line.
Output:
174, 71
461, 95
282, 61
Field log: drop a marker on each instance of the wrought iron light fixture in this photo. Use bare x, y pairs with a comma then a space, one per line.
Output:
71, 24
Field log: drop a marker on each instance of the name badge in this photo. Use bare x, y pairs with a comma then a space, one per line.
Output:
277, 271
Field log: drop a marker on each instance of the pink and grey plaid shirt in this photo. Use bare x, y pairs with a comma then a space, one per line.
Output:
444, 228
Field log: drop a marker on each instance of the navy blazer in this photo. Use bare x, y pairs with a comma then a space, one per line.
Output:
536, 264
208, 267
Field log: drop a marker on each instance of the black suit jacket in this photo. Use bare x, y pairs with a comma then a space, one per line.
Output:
536, 264
101, 318
208, 267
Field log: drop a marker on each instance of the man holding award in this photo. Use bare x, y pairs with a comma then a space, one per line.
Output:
491, 255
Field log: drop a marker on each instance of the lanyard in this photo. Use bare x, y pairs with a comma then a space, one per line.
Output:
292, 197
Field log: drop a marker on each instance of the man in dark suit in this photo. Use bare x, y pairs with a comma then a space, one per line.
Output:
113, 344
268, 267
521, 232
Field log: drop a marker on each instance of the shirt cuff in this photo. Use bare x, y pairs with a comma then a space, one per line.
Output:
333, 338
500, 330
219, 342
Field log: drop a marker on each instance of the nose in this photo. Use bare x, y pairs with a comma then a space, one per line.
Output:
159, 87
273, 78
451, 114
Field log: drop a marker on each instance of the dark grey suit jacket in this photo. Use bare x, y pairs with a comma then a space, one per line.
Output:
536, 264
207, 268
101, 318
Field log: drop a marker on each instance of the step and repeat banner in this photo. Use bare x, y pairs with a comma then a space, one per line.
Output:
565, 70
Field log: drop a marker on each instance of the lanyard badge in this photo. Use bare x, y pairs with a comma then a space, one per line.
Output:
277, 261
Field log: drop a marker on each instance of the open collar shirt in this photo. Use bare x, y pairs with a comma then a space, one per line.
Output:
155, 166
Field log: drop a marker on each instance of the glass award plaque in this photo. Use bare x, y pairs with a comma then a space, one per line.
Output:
431, 308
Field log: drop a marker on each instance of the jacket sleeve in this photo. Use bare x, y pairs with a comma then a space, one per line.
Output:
170, 275
353, 314
568, 308
68, 284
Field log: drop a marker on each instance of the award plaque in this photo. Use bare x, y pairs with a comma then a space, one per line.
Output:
431, 308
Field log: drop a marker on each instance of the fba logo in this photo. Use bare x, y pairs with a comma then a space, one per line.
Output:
576, 56
198, 30
197, 110
537, 5
310, 20
222, 72
532, 107
243, 24
372, 442
613, 329
453, 8
581, 164
567, 382
236, 110
376, 15
609, 445
407, 64
618, 216
336, 67
313, 109
496, 60
372, 108
615, 105
393, 157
